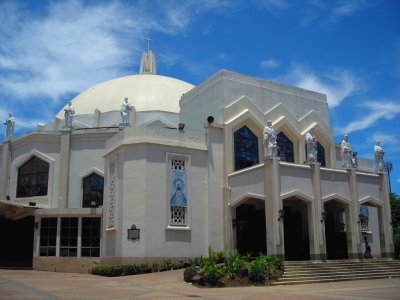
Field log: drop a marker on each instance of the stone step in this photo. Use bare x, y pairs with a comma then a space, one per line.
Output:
314, 272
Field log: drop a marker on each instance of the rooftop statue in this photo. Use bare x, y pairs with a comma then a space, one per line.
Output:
10, 122
311, 146
346, 152
126, 109
269, 140
379, 166
69, 113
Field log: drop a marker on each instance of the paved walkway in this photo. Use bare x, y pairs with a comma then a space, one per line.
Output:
22, 284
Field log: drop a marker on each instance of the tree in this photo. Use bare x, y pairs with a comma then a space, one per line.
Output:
395, 205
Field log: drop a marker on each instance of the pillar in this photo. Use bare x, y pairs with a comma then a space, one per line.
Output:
273, 203
63, 180
5, 169
385, 222
354, 227
316, 227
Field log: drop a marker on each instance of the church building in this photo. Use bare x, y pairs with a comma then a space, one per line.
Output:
146, 167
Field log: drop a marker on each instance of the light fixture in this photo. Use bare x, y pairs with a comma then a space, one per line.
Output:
36, 225
281, 214
210, 119
181, 126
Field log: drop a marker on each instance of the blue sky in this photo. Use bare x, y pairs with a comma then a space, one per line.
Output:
350, 50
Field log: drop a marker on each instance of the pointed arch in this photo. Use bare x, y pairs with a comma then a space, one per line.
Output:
244, 198
370, 200
297, 194
336, 197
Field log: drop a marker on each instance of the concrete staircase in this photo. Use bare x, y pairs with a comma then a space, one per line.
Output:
301, 272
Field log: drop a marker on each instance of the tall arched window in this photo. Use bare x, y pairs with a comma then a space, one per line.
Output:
285, 148
320, 154
33, 178
93, 186
245, 148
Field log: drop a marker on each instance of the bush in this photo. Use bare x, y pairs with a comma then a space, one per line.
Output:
105, 270
156, 267
257, 270
216, 256
189, 273
233, 264
166, 265
211, 271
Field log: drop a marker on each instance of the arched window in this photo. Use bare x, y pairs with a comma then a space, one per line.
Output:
285, 148
33, 178
320, 154
93, 186
245, 148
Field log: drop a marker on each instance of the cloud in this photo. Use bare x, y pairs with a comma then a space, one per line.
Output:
387, 139
337, 84
324, 14
269, 64
274, 5
74, 44
376, 110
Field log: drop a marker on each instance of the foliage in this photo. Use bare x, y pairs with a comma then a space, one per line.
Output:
166, 265
234, 263
395, 205
211, 271
189, 273
257, 270
216, 256
105, 270
237, 269
132, 269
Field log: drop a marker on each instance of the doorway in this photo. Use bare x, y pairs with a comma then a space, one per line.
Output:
335, 230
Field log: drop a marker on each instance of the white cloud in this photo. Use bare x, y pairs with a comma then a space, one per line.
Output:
337, 85
273, 5
269, 64
387, 139
376, 110
74, 45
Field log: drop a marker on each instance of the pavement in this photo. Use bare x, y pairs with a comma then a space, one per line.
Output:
31, 284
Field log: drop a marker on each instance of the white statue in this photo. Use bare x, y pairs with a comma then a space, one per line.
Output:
69, 113
269, 140
126, 109
10, 122
347, 152
311, 146
378, 157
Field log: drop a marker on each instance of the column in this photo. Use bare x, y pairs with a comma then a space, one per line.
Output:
354, 227
317, 228
63, 180
5, 169
273, 203
385, 220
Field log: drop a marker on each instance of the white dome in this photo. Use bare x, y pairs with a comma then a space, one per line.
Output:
146, 92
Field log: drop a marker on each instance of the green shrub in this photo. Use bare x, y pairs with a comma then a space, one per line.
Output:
257, 270
216, 256
166, 265
105, 270
189, 273
234, 263
156, 267
211, 271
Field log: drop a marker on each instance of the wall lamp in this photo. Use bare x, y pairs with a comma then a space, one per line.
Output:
181, 126
281, 214
324, 216
210, 119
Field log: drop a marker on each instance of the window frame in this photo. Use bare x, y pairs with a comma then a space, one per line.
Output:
83, 177
168, 161
257, 150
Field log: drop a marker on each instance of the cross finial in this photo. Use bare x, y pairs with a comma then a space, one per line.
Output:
148, 39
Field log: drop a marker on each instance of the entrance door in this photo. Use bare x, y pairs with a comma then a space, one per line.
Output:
335, 231
297, 244
16, 242
250, 229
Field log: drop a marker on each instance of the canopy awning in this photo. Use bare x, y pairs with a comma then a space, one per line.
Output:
14, 211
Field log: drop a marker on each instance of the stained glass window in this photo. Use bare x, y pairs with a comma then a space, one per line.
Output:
285, 148
245, 148
93, 187
33, 178
178, 192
